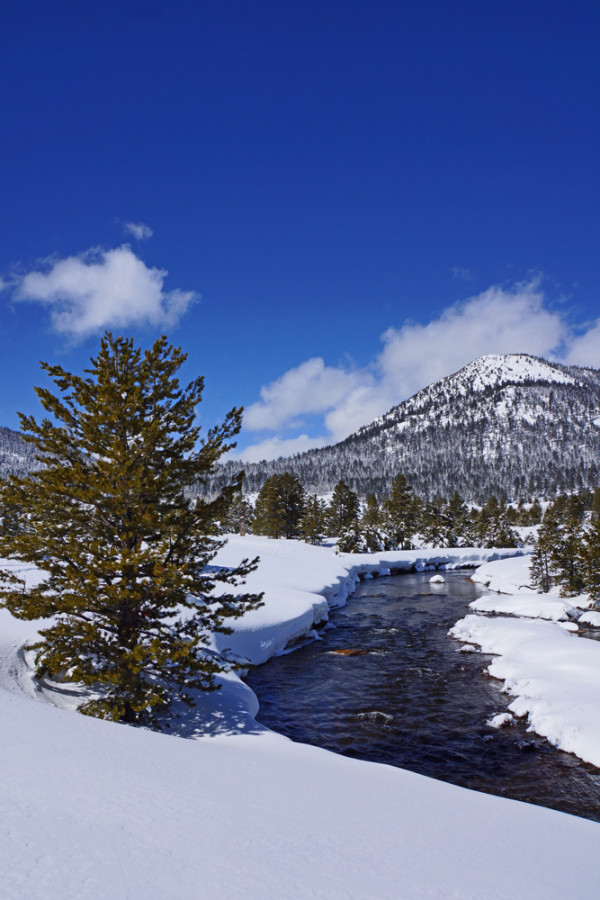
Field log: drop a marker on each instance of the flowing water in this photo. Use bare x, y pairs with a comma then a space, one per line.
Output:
385, 683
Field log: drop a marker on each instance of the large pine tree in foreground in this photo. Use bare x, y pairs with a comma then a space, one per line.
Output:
109, 519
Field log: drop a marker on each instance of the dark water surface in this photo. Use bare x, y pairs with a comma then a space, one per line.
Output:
409, 698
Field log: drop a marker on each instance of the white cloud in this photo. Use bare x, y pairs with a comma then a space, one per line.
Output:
138, 230
311, 387
584, 349
499, 320
104, 289
496, 321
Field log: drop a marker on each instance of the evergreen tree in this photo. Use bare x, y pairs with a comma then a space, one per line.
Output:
534, 517
576, 506
567, 557
436, 526
559, 508
279, 506
596, 504
591, 561
460, 519
522, 514
239, 516
375, 539
352, 539
541, 569
109, 519
513, 516
371, 530
492, 528
343, 510
401, 514
371, 517
269, 511
312, 522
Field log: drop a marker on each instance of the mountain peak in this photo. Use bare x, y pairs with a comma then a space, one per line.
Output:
494, 369
505, 423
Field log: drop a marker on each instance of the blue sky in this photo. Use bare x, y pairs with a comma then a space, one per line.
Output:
327, 204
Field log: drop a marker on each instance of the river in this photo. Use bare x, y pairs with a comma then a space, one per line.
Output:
385, 683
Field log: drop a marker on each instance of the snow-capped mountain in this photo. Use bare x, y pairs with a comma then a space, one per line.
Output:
512, 424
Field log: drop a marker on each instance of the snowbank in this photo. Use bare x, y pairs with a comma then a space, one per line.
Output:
553, 675
98, 810
508, 578
534, 606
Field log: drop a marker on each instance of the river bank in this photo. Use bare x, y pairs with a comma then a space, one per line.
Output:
541, 655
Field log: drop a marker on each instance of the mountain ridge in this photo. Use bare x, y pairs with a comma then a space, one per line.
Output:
512, 424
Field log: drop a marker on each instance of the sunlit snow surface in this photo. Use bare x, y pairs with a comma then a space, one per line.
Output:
90, 809
488, 371
553, 675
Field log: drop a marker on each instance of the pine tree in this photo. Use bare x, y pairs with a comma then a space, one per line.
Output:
460, 519
534, 517
239, 516
541, 569
596, 504
371, 517
269, 510
559, 508
312, 521
436, 526
567, 557
109, 519
279, 507
401, 514
512, 515
352, 539
343, 510
492, 528
591, 561
371, 530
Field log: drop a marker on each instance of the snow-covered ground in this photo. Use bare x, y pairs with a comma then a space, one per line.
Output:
552, 674
93, 809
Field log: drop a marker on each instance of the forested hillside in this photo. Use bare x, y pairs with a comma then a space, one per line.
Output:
514, 425
16, 456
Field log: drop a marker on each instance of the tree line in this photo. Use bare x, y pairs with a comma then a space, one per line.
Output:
400, 520
520, 440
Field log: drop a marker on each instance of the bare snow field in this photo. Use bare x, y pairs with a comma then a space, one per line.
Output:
92, 809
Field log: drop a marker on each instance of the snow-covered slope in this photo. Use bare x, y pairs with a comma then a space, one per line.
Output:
487, 374
94, 810
514, 424
91, 809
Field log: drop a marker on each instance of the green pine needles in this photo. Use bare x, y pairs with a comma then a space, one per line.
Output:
128, 595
